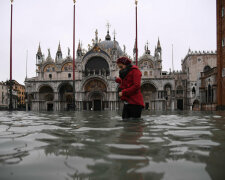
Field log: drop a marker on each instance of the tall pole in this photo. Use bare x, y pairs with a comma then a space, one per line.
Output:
10, 90
74, 8
136, 3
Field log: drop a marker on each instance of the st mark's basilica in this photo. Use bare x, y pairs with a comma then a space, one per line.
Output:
95, 86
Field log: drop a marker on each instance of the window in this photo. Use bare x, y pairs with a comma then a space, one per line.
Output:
69, 75
146, 73
193, 91
223, 43
223, 12
50, 76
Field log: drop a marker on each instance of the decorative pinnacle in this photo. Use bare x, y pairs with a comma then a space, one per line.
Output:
114, 33
108, 26
136, 2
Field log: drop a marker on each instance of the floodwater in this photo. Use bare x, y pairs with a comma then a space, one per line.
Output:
99, 145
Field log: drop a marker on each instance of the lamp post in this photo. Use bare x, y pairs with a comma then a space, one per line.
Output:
74, 8
10, 81
136, 3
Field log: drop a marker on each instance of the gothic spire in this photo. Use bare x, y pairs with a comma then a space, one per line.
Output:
158, 44
58, 53
59, 48
79, 46
39, 49
79, 49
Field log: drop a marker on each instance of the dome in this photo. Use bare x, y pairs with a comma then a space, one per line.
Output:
147, 57
109, 45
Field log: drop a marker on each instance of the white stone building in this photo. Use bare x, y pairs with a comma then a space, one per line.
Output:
95, 71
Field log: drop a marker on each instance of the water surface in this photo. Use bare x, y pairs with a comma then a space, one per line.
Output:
99, 145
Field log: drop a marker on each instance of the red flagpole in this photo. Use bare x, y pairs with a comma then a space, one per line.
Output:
74, 54
136, 2
10, 90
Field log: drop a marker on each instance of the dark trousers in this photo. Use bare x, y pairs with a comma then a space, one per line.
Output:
131, 111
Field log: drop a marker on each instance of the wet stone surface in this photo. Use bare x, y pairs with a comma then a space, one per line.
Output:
99, 145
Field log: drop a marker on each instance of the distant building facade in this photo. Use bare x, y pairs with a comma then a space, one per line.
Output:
3, 95
20, 93
196, 65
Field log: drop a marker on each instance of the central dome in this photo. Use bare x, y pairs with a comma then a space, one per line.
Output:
108, 44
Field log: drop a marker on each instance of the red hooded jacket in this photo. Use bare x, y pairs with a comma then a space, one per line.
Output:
131, 87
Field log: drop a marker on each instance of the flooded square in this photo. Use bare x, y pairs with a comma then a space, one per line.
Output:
99, 145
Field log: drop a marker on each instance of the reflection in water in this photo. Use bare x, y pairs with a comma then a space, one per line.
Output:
93, 145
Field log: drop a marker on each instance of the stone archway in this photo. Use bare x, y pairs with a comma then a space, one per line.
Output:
46, 98
196, 105
94, 94
149, 93
96, 99
66, 96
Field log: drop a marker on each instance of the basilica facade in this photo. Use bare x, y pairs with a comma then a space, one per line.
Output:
95, 86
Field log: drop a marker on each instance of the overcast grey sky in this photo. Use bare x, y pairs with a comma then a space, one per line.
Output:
184, 23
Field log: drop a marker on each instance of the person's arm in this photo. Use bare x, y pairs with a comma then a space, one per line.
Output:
136, 84
118, 80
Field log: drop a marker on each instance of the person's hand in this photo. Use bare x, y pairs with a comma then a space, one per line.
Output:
120, 94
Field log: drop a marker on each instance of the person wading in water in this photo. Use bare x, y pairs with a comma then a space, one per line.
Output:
130, 88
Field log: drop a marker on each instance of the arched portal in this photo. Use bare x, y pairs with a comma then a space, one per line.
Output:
97, 65
66, 96
94, 92
46, 96
149, 93
196, 105
96, 99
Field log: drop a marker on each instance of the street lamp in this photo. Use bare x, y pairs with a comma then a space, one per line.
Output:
136, 3
74, 8
10, 83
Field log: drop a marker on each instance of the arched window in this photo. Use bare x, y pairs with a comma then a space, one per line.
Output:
97, 65
168, 90
206, 68
193, 91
